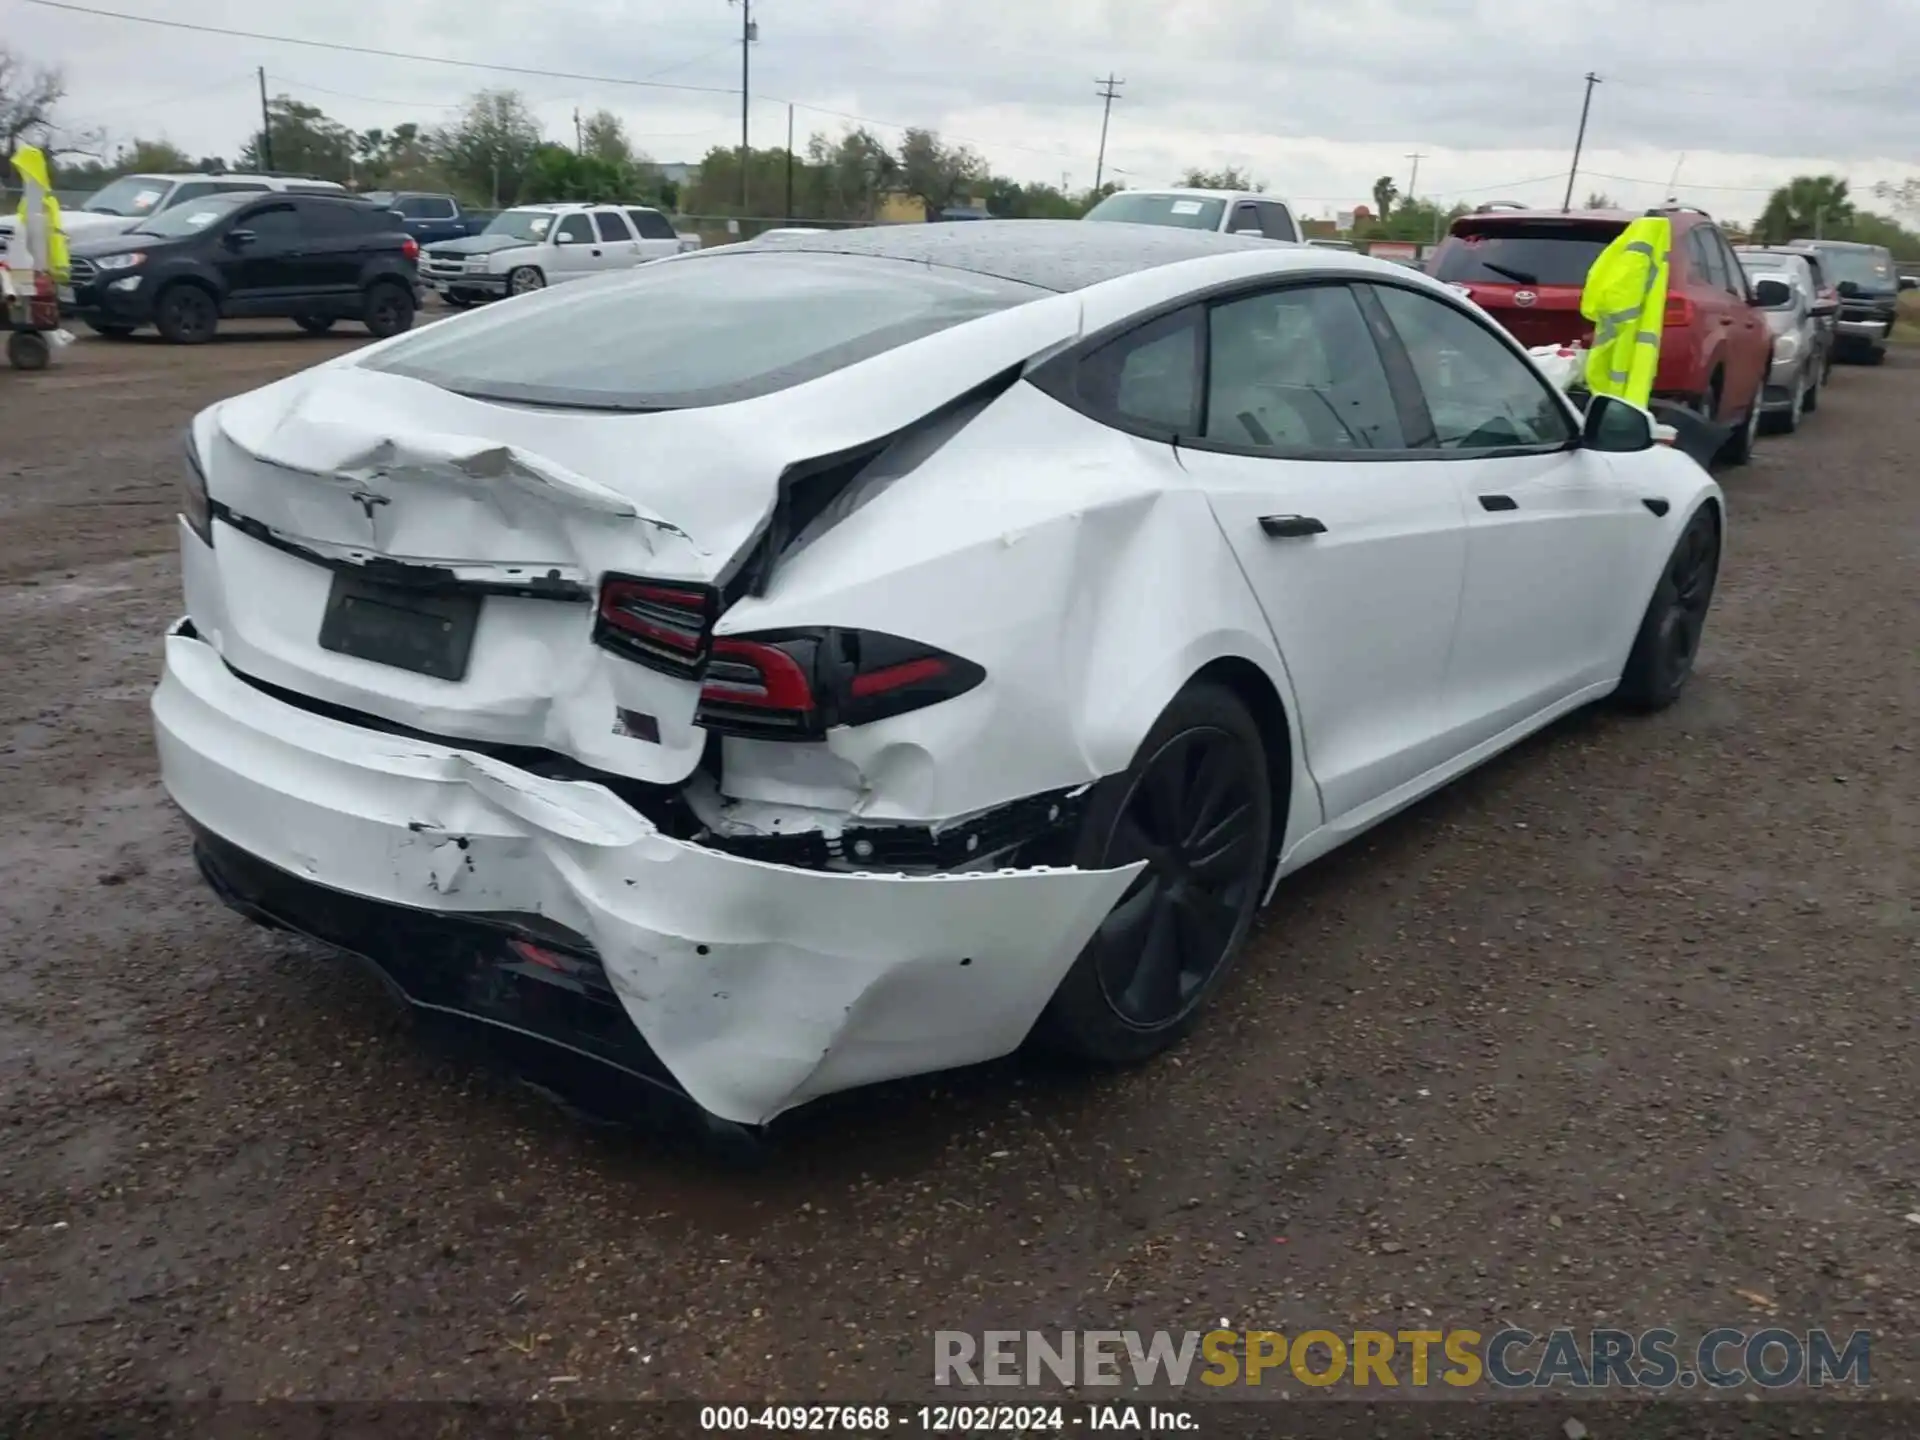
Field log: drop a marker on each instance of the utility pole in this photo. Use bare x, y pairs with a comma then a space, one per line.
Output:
789, 162
748, 32
1413, 180
266, 124
579, 140
1109, 92
1579, 140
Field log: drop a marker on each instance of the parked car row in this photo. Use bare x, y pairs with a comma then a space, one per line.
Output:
1751, 332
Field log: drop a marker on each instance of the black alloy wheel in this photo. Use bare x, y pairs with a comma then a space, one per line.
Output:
1669, 640
1197, 806
186, 315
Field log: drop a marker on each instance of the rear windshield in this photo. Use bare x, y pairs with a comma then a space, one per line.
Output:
1522, 253
706, 330
1189, 212
1869, 269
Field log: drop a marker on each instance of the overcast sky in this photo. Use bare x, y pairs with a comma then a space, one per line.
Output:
1316, 98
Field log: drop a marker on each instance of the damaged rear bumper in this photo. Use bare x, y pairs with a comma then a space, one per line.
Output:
752, 987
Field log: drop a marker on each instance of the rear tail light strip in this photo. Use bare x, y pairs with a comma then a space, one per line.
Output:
779, 685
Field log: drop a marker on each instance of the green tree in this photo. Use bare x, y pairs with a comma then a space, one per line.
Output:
849, 175
1385, 192
1871, 229
304, 141
397, 159
488, 150
28, 96
1231, 178
1807, 206
937, 174
1600, 200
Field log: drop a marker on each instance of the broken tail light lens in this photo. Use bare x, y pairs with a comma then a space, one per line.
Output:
195, 506
663, 625
797, 684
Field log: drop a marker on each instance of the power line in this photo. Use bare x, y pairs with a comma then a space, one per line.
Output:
372, 50
1108, 91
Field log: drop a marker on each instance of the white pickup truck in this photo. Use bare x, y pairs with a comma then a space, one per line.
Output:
532, 246
1231, 212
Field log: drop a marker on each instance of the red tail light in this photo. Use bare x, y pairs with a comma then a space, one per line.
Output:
796, 684
410, 248
1679, 312
660, 624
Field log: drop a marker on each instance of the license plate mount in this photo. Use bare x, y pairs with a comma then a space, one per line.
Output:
428, 632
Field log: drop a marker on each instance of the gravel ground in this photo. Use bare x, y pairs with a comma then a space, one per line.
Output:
1616, 1031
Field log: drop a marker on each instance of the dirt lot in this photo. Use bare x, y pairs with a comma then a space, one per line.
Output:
1617, 1031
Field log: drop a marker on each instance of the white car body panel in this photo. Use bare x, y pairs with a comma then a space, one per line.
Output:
1092, 573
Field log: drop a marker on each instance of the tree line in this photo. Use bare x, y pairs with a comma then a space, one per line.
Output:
494, 152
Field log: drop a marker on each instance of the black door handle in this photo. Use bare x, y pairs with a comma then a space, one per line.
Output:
1498, 502
596, 251
1287, 527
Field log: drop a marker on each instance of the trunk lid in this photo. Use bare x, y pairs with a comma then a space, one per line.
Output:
504, 518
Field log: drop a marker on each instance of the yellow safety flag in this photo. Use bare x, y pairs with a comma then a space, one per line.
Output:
38, 220
1626, 299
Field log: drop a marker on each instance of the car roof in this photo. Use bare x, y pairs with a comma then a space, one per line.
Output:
1201, 194
1835, 245
1055, 255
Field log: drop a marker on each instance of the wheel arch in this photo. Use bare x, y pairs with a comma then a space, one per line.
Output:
1255, 689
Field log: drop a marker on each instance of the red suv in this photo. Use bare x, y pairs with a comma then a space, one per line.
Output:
1527, 267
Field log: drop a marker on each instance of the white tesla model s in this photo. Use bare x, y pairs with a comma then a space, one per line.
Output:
781, 668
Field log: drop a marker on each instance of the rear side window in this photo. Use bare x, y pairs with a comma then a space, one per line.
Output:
706, 330
1148, 377
651, 224
1295, 371
611, 225
425, 207
1522, 253
1704, 257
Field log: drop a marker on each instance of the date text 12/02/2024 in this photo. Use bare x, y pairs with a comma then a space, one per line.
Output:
947, 1419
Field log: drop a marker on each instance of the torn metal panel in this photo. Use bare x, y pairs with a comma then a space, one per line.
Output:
758, 986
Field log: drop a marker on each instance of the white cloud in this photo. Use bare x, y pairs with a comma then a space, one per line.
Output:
1316, 99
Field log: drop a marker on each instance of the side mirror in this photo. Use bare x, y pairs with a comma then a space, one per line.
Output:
1253, 230
1615, 427
1773, 294
1849, 289
562, 238
240, 239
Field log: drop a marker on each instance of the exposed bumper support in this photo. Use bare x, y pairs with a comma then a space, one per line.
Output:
756, 986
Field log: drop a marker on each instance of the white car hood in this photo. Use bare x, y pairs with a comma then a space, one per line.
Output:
694, 487
88, 223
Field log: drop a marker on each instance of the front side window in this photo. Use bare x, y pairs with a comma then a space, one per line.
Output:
574, 230
1729, 266
1296, 370
273, 228
1245, 217
703, 330
1276, 222
1480, 394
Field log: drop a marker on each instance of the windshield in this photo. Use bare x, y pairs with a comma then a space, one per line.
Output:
1526, 253
129, 195
382, 198
528, 225
1138, 207
1869, 269
192, 216
702, 331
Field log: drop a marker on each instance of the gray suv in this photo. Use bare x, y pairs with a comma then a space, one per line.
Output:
1869, 295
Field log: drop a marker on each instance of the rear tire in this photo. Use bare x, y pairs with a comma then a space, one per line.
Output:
184, 314
1197, 804
1669, 640
388, 310
28, 350
1740, 445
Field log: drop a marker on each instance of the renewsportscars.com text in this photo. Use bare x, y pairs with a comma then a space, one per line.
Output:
1512, 1359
